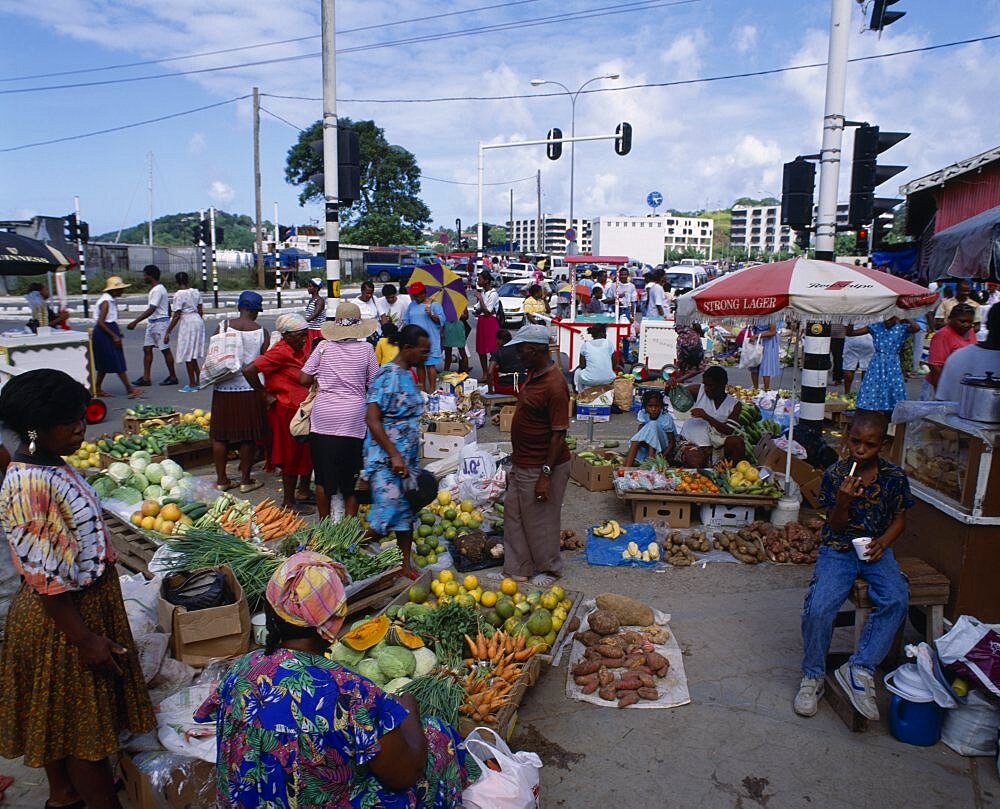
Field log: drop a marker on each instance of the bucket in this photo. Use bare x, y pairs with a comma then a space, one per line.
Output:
785, 512
914, 717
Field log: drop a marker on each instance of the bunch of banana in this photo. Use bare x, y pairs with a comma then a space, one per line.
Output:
610, 530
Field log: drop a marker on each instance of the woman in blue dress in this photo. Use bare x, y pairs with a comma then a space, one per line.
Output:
392, 446
769, 365
883, 383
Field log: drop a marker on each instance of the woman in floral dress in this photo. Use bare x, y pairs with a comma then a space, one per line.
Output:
392, 446
295, 729
883, 384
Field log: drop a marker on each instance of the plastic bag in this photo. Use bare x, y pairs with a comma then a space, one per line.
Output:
223, 359
476, 470
514, 786
177, 730
972, 649
931, 674
751, 353
971, 729
141, 597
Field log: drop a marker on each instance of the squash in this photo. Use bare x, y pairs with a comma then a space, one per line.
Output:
402, 637
367, 634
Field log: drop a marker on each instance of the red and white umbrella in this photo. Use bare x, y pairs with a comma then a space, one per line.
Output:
821, 291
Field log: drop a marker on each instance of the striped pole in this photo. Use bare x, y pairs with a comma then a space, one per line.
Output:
81, 254
815, 364
204, 254
331, 190
215, 267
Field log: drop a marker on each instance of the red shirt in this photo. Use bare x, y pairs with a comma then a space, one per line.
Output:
281, 367
946, 342
542, 409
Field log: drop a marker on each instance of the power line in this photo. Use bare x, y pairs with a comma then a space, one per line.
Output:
270, 44
83, 135
601, 11
283, 120
460, 182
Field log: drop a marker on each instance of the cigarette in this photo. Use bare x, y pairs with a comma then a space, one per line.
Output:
853, 467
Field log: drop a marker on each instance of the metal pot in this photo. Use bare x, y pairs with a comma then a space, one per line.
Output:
980, 398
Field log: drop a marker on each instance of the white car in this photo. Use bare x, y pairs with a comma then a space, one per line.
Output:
512, 297
684, 278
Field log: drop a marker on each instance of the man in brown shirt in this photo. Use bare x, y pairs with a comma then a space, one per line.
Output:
537, 482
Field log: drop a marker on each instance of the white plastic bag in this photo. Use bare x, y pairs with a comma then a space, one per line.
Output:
223, 359
514, 786
178, 732
476, 470
971, 729
972, 648
751, 353
141, 597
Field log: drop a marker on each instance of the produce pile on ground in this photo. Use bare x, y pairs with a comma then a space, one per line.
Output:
621, 665
741, 545
443, 521
569, 541
679, 549
793, 543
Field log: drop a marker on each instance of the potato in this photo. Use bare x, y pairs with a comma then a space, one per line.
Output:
648, 693
627, 698
608, 694
628, 611
604, 622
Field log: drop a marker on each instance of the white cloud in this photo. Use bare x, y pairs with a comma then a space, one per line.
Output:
221, 193
198, 143
744, 38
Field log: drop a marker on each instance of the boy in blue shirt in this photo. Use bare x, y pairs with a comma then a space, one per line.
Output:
866, 496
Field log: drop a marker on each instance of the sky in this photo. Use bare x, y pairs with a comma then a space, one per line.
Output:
700, 144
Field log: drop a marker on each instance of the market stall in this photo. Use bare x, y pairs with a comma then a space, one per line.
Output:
572, 332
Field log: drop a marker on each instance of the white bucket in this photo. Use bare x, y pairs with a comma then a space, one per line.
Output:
785, 512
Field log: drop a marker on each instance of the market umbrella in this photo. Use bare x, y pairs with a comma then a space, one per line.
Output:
20, 255
581, 289
443, 286
809, 290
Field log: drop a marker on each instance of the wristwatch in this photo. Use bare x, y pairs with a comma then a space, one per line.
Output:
546, 470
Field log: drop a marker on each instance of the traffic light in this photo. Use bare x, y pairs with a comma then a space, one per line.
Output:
284, 233
204, 232
623, 138
861, 242
553, 148
798, 181
72, 228
866, 174
84, 232
882, 227
802, 239
196, 235
881, 16
348, 165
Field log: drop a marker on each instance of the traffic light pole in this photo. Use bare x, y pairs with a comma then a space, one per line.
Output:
215, 266
204, 255
331, 165
277, 262
81, 254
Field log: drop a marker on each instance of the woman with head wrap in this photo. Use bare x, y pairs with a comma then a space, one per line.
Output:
283, 392
294, 728
70, 680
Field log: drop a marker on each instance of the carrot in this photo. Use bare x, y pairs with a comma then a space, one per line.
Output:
524, 654
472, 645
481, 646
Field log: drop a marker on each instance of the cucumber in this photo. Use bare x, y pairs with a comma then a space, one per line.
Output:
187, 507
175, 500
197, 513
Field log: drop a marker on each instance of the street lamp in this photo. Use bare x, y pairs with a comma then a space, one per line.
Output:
571, 248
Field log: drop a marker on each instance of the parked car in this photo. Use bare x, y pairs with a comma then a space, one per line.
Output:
684, 279
512, 295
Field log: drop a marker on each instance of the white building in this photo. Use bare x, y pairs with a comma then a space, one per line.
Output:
649, 238
756, 229
551, 239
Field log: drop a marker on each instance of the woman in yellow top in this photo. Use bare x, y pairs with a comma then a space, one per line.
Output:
388, 346
535, 304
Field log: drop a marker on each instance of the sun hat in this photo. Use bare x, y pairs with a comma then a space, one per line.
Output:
307, 589
316, 282
534, 333
114, 282
416, 288
250, 300
348, 325
286, 324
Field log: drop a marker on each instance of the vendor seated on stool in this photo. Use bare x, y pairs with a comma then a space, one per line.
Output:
866, 496
597, 361
506, 373
712, 423
657, 434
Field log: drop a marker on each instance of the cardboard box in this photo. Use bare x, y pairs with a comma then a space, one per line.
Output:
192, 784
594, 404
592, 478
446, 439
198, 637
675, 513
506, 418
464, 388
722, 515
805, 475
442, 403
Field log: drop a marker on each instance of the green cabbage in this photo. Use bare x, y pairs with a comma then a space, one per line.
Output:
103, 485
425, 661
396, 661
127, 495
369, 668
137, 481
172, 468
345, 655
153, 492
154, 472
140, 454
119, 471
138, 462
395, 686
167, 482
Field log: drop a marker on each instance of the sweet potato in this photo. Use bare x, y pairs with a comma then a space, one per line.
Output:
590, 688
608, 650
585, 679
647, 680
607, 693
648, 693
628, 682
656, 661
627, 698
605, 677
588, 638
603, 622
662, 672
612, 662
628, 611
635, 661
574, 624
585, 667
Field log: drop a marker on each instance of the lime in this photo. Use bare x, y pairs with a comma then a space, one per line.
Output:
450, 514
424, 530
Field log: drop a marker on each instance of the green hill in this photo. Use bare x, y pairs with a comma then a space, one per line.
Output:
175, 230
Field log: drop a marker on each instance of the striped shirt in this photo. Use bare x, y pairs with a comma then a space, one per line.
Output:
343, 371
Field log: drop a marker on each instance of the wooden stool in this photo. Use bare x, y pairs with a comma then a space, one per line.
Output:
495, 401
928, 592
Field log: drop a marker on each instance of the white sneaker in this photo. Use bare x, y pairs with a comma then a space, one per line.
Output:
807, 700
859, 686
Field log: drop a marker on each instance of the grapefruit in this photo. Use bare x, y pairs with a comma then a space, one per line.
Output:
149, 508
508, 587
470, 582
444, 498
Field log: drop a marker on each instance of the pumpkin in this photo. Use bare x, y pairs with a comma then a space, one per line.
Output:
401, 637
367, 634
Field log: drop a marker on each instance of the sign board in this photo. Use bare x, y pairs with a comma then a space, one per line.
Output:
657, 343
654, 199
570, 234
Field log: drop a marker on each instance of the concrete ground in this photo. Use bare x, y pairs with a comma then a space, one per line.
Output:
738, 744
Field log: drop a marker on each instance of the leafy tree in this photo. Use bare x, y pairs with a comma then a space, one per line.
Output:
389, 211
497, 234
174, 230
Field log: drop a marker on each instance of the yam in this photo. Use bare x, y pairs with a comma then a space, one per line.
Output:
589, 638
605, 677
585, 667
656, 661
648, 693
628, 611
663, 672
627, 698
647, 680
635, 661
608, 650
574, 624
604, 622
590, 687
586, 680
628, 682
607, 693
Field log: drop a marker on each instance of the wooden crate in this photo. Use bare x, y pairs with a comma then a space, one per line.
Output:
133, 547
132, 424
548, 656
191, 454
507, 715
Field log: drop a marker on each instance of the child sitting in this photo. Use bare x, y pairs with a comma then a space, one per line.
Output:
387, 347
656, 436
866, 496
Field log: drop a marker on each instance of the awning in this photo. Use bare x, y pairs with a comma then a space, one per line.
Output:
969, 249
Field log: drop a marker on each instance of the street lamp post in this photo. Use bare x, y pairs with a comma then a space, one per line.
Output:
571, 248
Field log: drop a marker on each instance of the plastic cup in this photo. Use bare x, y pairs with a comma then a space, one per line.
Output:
861, 547
258, 625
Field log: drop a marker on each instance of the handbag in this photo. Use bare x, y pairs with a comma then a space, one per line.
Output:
751, 353
514, 785
199, 590
420, 489
301, 422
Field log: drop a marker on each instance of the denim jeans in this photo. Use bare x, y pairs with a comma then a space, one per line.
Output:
831, 584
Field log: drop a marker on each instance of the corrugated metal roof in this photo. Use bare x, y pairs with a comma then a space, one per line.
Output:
948, 172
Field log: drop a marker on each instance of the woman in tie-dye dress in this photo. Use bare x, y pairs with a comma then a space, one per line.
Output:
70, 680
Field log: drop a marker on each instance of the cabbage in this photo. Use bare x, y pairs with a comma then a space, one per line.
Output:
119, 471
172, 468
369, 668
127, 495
425, 661
103, 485
154, 472
396, 661
345, 655
167, 482
138, 463
177, 491
395, 686
141, 454
137, 480
153, 492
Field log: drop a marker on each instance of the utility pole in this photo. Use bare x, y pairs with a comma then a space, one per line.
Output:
215, 266
330, 163
539, 244
204, 255
256, 187
510, 231
277, 259
81, 253
149, 186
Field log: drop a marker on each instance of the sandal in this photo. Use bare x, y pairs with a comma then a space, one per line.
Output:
253, 485
543, 580
135, 392
225, 487
103, 394
306, 498
300, 509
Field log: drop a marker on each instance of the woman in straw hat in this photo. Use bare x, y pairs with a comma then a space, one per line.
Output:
294, 728
109, 358
342, 366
